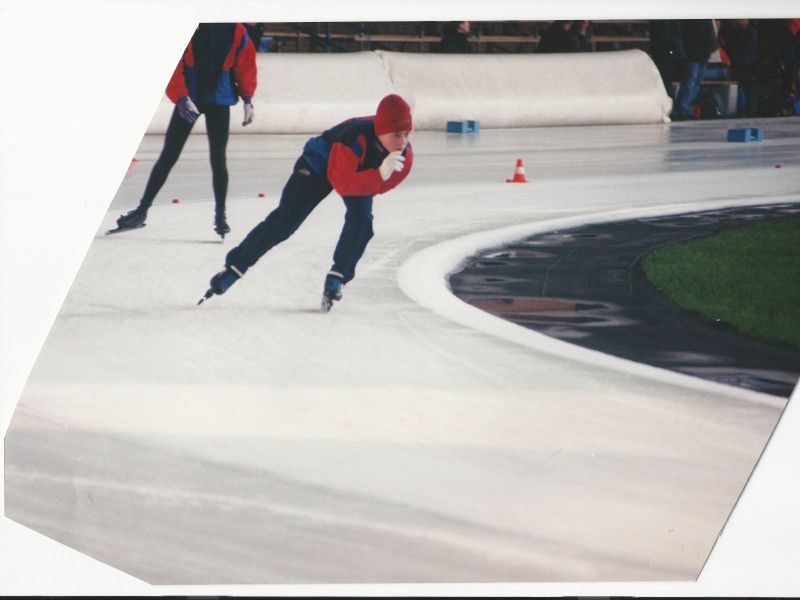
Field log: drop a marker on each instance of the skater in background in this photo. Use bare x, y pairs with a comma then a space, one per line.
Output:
217, 67
358, 158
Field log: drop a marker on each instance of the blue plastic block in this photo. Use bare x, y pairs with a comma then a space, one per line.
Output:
463, 126
746, 134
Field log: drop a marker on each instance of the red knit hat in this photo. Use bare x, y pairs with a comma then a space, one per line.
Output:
394, 114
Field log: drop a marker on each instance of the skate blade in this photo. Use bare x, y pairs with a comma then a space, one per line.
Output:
206, 296
121, 229
326, 304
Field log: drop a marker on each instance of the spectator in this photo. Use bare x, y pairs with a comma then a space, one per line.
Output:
455, 38
559, 37
774, 75
709, 100
792, 61
666, 50
583, 32
699, 40
739, 41
717, 65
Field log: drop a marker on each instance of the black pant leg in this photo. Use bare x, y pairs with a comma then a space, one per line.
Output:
301, 195
218, 125
178, 132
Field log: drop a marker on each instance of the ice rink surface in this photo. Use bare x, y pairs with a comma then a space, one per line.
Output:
403, 437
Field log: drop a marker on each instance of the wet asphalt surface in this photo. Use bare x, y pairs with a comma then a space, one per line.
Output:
586, 286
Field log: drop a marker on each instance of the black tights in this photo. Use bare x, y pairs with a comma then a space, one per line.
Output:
217, 125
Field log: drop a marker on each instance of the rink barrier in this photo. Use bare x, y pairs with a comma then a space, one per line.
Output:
307, 93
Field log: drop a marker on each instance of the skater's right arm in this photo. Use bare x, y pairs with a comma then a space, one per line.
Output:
179, 93
176, 88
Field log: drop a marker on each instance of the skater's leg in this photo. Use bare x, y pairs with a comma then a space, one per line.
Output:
217, 125
356, 234
302, 193
178, 132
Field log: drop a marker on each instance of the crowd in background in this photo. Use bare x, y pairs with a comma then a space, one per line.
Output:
759, 56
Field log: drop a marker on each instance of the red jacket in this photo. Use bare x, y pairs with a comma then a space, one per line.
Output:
350, 154
237, 72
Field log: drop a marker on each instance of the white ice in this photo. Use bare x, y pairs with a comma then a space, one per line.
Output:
556, 463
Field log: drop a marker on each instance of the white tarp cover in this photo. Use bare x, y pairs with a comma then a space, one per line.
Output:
307, 93
528, 90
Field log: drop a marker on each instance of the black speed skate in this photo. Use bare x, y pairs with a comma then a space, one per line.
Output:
131, 220
220, 283
332, 291
221, 225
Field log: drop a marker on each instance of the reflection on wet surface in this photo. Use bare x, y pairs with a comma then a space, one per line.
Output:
586, 286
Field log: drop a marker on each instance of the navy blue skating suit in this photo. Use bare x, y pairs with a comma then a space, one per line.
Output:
344, 158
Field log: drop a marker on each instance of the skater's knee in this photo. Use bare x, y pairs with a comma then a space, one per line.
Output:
360, 219
366, 228
284, 219
219, 162
166, 161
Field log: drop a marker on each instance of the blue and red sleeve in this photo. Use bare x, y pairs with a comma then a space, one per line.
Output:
243, 62
176, 88
344, 175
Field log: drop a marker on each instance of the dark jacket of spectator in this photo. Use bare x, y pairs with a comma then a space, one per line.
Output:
665, 39
559, 37
739, 40
455, 38
666, 50
699, 39
583, 33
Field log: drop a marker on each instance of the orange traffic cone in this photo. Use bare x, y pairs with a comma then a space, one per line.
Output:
519, 173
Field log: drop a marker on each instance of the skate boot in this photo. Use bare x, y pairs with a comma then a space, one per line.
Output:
131, 220
221, 225
220, 282
332, 291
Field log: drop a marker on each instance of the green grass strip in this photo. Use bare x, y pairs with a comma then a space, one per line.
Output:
748, 277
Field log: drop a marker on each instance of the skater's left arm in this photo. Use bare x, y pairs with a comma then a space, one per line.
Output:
245, 72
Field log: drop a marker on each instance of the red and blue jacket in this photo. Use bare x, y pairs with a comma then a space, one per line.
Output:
217, 67
349, 155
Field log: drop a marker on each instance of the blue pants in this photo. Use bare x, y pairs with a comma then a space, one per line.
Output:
301, 195
690, 86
